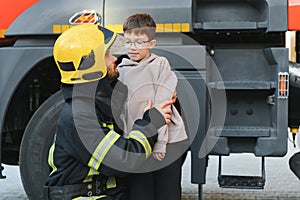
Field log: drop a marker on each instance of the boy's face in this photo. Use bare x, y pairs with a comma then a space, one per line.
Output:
138, 46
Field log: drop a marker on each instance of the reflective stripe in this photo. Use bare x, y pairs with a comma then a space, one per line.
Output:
110, 126
2, 32
100, 153
166, 27
141, 138
102, 149
51, 156
118, 28
90, 198
90, 175
111, 182
60, 28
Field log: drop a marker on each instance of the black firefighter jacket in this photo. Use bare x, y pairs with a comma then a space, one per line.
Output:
88, 141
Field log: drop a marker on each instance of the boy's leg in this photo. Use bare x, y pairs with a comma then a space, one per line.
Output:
168, 181
141, 186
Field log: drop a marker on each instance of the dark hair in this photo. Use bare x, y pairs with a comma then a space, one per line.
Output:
140, 24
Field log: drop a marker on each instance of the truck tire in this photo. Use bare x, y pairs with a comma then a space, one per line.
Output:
36, 141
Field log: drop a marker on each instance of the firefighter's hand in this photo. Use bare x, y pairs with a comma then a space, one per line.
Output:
158, 156
165, 110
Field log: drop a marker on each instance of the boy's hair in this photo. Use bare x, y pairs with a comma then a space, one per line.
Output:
140, 24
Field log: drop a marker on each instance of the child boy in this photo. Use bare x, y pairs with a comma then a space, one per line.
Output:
149, 77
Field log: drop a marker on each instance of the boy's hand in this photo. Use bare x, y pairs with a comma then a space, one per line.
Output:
148, 106
174, 97
158, 156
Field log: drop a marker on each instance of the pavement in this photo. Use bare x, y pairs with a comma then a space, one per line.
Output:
281, 183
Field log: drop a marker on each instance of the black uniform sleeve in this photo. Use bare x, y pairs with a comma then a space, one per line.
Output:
154, 116
107, 151
129, 153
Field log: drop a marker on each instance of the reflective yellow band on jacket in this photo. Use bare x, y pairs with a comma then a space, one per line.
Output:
110, 126
90, 198
102, 149
100, 153
111, 182
90, 175
141, 138
51, 156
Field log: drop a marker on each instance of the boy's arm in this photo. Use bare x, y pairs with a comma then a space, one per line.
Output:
162, 140
166, 82
166, 85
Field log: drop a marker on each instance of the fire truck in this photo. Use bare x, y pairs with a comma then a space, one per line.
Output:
238, 87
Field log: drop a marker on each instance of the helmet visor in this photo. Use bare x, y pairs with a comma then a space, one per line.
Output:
117, 47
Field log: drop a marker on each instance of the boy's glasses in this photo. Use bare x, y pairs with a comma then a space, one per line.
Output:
138, 44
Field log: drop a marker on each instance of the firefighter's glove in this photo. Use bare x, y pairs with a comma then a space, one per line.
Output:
160, 114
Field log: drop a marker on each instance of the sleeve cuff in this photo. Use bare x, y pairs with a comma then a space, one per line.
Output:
160, 147
155, 117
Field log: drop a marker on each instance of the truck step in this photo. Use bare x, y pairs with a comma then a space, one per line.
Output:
241, 182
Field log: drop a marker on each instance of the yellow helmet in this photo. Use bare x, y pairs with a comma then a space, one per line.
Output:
79, 53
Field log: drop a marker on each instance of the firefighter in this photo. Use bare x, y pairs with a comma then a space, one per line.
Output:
89, 156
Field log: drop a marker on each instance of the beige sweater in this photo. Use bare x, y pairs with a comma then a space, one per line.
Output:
151, 79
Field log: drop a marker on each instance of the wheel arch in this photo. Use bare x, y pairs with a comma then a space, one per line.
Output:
33, 82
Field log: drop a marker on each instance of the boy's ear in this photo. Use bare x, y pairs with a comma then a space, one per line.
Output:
152, 43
